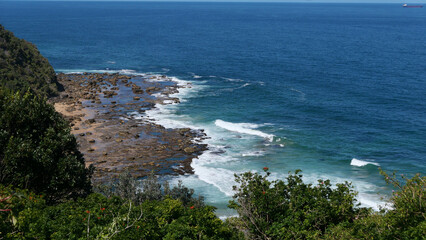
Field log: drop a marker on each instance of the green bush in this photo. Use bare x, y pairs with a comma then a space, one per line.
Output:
22, 66
291, 209
149, 188
99, 217
407, 215
37, 150
404, 220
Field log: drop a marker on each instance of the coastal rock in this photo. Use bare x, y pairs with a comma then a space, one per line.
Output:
90, 121
109, 94
190, 150
126, 142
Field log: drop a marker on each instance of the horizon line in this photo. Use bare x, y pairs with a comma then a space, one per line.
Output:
232, 1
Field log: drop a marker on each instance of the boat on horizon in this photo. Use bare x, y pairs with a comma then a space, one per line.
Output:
412, 6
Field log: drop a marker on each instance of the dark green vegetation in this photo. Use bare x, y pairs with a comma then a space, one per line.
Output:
22, 66
292, 209
46, 193
146, 215
38, 151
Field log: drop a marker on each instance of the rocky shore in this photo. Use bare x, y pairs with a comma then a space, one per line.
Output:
106, 115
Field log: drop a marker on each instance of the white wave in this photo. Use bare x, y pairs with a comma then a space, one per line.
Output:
245, 128
253, 154
168, 102
127, 71
221, 178
245, 85
373, 201
165, 114
111, 62
361, 163
195, 75
233, 79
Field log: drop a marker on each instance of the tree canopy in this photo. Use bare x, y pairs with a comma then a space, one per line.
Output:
37, 150
22, 66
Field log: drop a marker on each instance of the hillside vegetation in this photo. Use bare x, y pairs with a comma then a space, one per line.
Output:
22, 66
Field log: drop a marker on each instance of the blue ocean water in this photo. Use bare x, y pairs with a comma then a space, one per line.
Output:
326, 88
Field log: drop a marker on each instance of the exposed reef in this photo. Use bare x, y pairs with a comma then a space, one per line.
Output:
106, 112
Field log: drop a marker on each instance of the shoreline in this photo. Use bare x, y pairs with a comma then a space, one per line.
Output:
106, 114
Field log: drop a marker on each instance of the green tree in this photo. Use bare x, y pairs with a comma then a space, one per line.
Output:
407, 218
404, 219
37, 150
22, 66
99, 217
291, 209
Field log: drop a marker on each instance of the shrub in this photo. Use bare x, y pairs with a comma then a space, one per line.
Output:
404, 220
291, 209
148, 189
22, 66
37, 150
407, 218
99, 217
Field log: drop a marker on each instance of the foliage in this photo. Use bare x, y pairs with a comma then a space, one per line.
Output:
404, 220
99, 217
409, 204
127, 187
22, 66
291, 209
295, 210
37, 150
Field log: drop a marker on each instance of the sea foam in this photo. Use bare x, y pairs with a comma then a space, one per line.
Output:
361, 163
244, 128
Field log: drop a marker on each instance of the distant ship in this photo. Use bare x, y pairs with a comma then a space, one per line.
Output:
412, 6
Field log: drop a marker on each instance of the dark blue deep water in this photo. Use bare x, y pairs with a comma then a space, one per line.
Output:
326, 88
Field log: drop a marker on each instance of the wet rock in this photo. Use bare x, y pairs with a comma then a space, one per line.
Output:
183, 131
109, 94
90, 121
190, 150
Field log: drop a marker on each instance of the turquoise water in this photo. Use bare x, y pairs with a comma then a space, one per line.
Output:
327, 88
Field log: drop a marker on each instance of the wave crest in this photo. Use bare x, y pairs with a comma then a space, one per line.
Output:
245, 128
361, 163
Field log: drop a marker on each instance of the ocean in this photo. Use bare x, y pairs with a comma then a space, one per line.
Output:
336, 90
